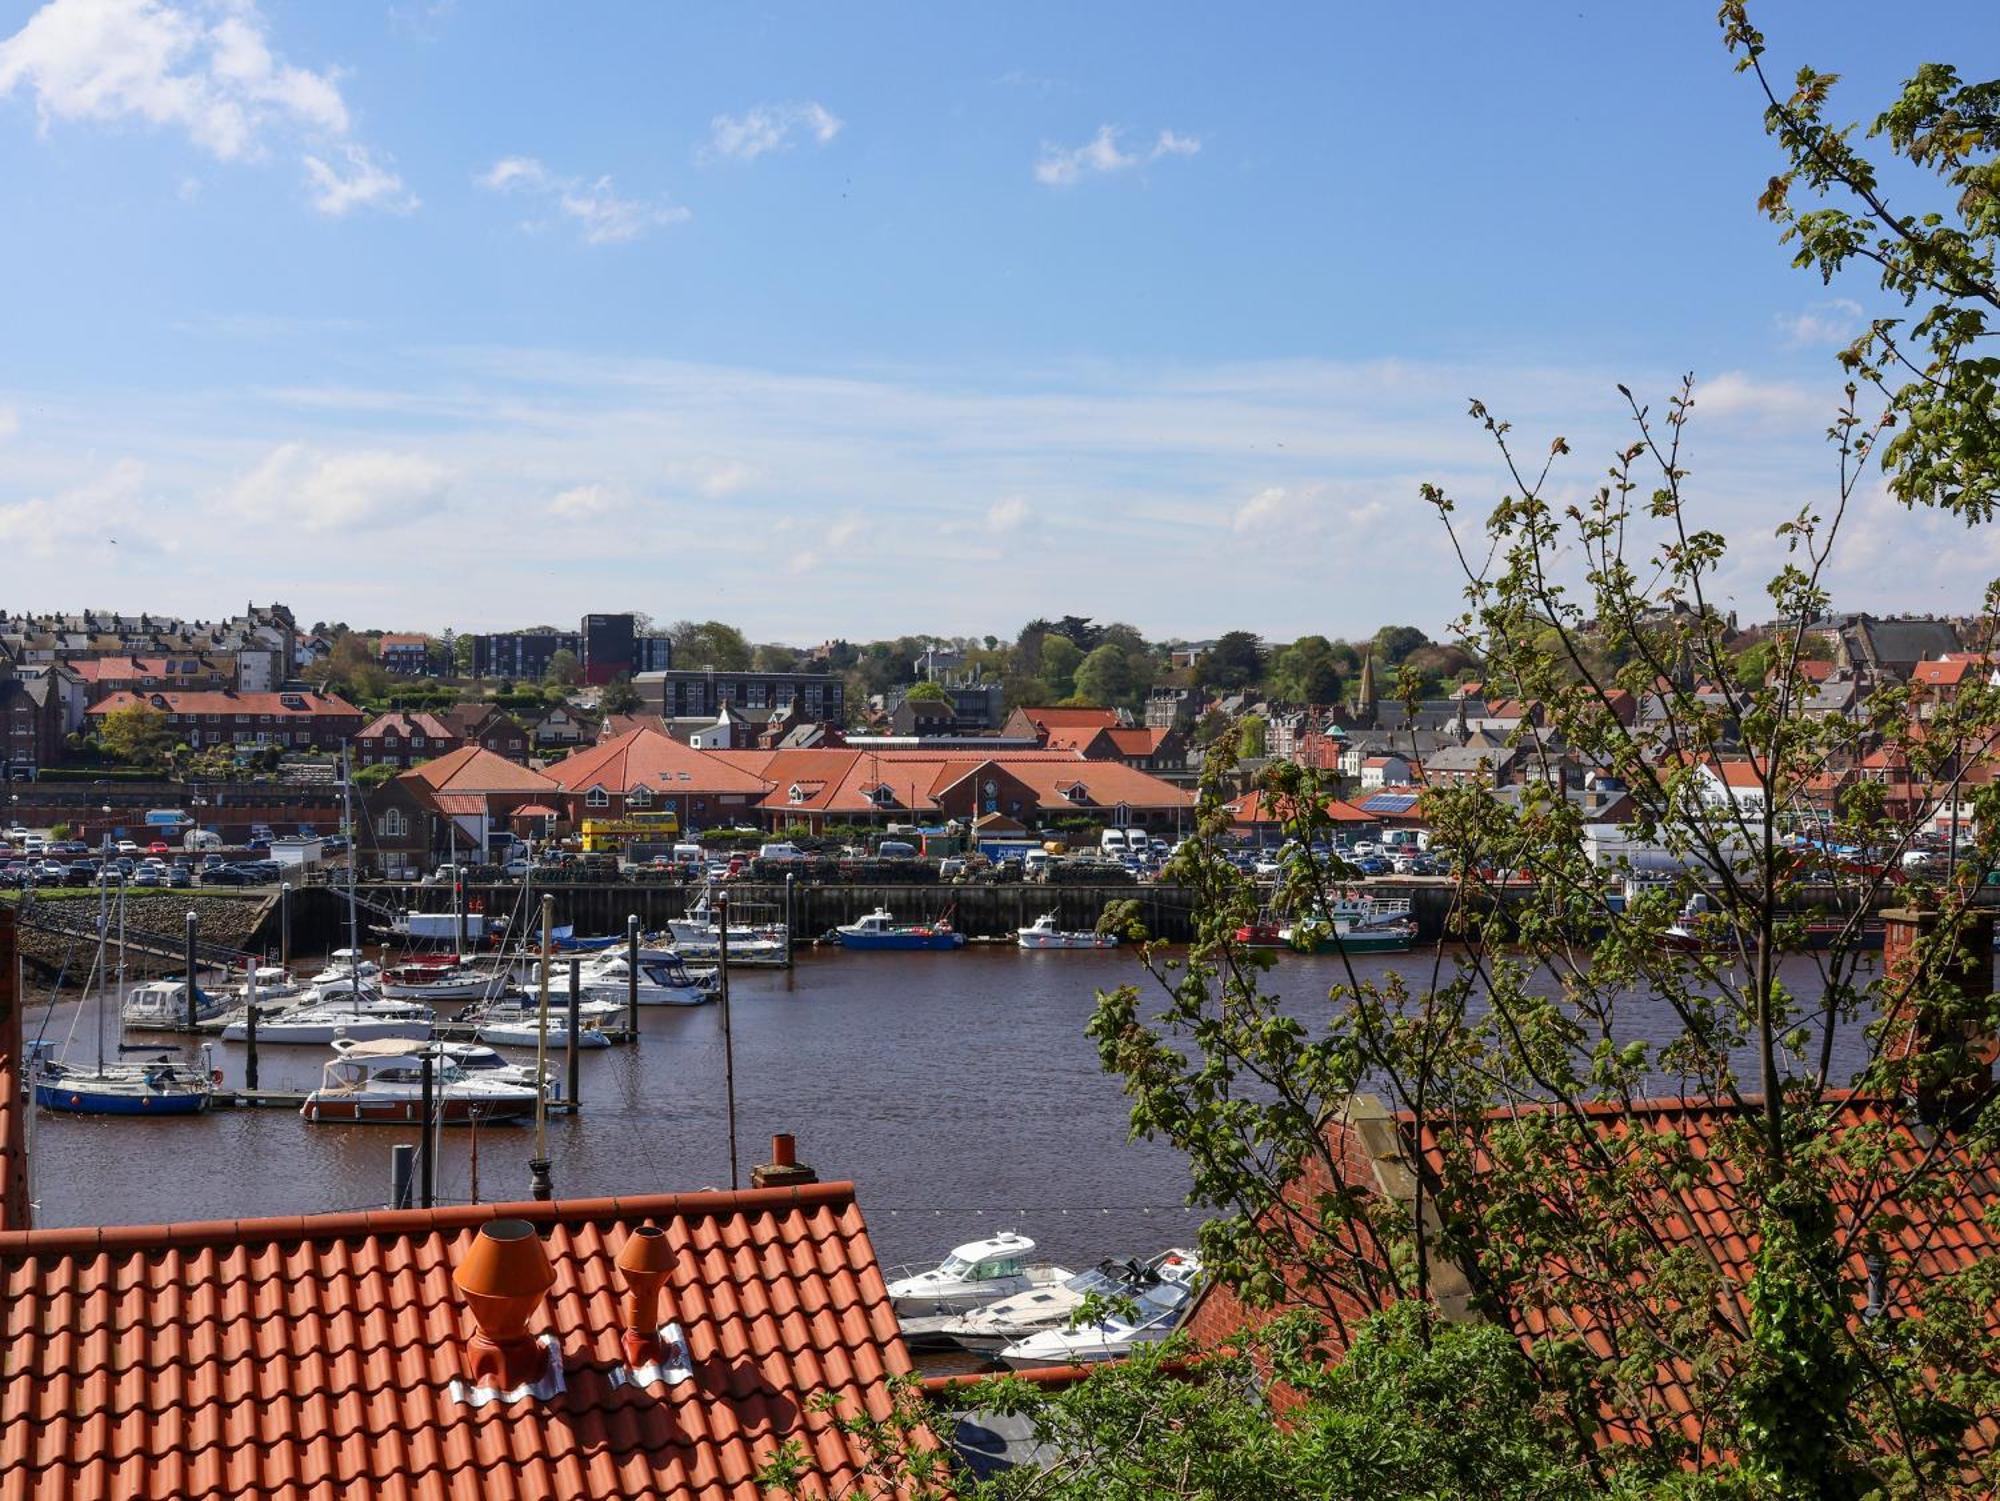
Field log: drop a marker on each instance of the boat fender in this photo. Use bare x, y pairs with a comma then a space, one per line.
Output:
215, 1076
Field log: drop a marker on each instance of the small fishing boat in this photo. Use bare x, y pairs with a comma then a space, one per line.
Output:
977, 1272
696, 931
1156, 1310
161, 1005
565, 939
1016, 1318
880, 930
326, 1022
1043, 933
383, 1082
1355, 925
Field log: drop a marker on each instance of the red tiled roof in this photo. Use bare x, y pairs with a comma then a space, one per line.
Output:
534, 810
391, 638
315, 1356
473, 768
223, 701
406, 725
838, 780
1254, 808
1073, 718
1950, 671
652, 759
461, 804
1924, 1235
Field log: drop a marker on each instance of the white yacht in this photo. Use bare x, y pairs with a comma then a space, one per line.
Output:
329, 1021
977, 1272
1156, 1310
663, 981
383, 1081
1043, 933
343, 964
476, 1059
1016, 1318
698, 932
449, 981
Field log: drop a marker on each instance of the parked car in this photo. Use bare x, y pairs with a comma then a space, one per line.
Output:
180, 875
227, 875
149, 875
516, 870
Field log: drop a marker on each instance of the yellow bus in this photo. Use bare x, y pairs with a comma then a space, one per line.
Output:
615, 836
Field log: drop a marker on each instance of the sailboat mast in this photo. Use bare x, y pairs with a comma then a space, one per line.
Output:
103, 930
121, 958
353, 857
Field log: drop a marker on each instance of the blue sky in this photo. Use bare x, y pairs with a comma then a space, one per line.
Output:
862, 320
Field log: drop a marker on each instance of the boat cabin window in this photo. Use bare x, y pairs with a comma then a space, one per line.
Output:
1001, 1266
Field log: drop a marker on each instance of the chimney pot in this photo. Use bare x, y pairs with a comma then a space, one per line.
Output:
645, 1260
504, 1277
784, 1170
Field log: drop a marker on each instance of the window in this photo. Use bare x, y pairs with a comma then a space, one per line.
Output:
395, 824
597, 797
416, 740
638, 797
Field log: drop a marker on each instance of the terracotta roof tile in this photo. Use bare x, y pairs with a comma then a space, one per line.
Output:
312, 1356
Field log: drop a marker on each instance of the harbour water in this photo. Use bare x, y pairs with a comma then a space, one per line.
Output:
958, 1090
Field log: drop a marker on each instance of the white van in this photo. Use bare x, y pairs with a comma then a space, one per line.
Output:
785, 850
1112, 842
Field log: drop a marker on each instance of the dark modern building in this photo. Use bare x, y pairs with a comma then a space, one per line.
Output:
521, 655
608, 646
683, 693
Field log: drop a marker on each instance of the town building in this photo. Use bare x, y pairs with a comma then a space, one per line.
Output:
522, 656
456, 804
409, 656
648, 771
489, 728
696, 693
403, 740
299, 721
31, 720
606, 646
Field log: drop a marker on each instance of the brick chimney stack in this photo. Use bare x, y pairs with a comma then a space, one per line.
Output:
1944, 1029
784, 1170
14, 1212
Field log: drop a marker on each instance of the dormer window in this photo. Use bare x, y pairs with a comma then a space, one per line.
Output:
639, 797
597, 797
795, 793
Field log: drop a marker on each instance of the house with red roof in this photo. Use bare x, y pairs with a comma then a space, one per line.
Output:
646, 770
1062, 727
301, 720
453, 805
403, 740
404, 653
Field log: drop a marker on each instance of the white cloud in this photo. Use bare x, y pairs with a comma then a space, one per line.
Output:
1737, 397
1006, 514
600, 214
1064, 166
84, 523
581, 502
10, 423
1312, 510
205, 69
768, 127
366, 184
1837, 321
329, 492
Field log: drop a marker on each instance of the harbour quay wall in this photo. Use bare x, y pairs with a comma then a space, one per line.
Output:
319, 915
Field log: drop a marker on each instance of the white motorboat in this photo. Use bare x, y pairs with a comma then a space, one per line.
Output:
161, 1005
271, 985
663, 981
478, 1060
1015, 1318
327, 1022
975, 1273
516, 1009
527, 1034
1155, 1312
439, 982
1043, 933
343, 964
383, 1082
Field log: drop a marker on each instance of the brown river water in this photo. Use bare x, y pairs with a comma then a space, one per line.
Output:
958, 1090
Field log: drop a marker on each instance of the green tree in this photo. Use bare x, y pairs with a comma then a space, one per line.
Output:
136, 735
1395, 642
564, 670
620, 697
1105, 677
709, 643
368, 777
1307, 672
928, 693
1061, 658
1235, 662
1252, 736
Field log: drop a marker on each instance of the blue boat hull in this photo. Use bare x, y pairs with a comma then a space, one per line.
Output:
81, 1100
902, 940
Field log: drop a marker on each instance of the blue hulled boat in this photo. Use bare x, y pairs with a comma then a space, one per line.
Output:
880, 930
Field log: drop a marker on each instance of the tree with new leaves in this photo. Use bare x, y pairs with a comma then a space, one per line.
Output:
136, 735
1235, 662
565, 670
